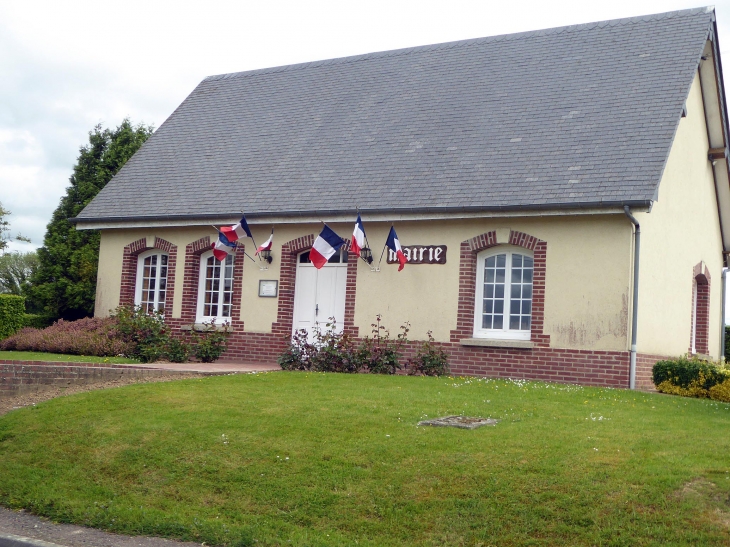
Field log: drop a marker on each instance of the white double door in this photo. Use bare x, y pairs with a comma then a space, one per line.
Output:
318, 296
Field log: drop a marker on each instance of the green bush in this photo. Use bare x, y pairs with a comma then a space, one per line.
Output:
210, 343
12, 310
430, 359
145, 332
177, 351
691, 377
35, 321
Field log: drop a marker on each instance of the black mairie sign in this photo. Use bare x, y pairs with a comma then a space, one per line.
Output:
421, 254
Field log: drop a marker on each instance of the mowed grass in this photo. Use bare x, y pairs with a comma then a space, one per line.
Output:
326, 459
61, 357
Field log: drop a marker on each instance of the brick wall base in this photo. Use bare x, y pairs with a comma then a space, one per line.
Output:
590, 368
17, 377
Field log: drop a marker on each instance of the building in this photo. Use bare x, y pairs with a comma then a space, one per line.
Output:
523, 157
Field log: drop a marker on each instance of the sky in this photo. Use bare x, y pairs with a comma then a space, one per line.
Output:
67, 66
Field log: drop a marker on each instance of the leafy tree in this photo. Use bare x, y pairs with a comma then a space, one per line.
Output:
65, 284
5, 228
16, 270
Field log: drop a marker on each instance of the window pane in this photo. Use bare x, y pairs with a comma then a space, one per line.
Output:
498, 321
490, 262
499, 291
525, 323
528, 262
514, 322
490, 276
487, 322
153, 260
517, 260
526, 307
500, 275
515, 291
488, 304
528, 276
516, 275
514, 306
501, 261
499, 306
526, 291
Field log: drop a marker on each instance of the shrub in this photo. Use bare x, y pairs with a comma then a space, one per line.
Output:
430, 359
381, 354
12, 309
211, 342
297, 353
177, 351
35, 321
333, 351
145, 333
88, 336
691, 377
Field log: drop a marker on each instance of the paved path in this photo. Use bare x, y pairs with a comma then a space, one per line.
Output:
19, 523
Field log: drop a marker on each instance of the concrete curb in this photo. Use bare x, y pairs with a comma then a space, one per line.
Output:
11, 540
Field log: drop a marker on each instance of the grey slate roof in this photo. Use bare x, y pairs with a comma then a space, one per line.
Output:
574, 116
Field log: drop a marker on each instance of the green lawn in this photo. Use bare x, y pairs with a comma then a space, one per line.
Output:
41, 356
314, 459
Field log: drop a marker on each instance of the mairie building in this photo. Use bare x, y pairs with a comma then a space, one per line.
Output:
562, 197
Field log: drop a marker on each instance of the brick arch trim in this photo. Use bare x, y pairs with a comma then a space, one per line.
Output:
700, 310
129, 267
467, 283
193, 252
287, 281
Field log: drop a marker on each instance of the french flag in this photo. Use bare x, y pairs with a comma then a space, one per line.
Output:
267, 244
326, 245
222, 247
393, 243
358, 237
234, 233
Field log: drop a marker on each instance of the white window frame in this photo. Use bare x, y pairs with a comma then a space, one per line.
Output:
219, 319
504, 333
140, 276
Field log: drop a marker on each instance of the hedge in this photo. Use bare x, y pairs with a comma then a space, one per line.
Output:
12, 309
691, 377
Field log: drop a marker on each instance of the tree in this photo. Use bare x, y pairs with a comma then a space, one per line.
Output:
5, 228
64, 285
16, 270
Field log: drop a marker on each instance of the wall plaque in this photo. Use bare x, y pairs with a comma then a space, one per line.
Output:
421, 254
268, 288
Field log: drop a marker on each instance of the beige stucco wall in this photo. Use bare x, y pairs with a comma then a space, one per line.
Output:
587, 278
681, 230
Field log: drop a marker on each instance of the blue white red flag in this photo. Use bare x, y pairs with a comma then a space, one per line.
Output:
222, 247
358, 237
393, 243
234, 233
326, 245
267, 244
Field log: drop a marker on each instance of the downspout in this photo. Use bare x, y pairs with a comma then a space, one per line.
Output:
635, 299
722, 319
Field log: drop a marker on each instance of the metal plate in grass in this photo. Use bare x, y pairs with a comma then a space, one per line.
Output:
464, 422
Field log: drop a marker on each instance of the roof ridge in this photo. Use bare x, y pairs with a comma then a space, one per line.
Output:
467, 42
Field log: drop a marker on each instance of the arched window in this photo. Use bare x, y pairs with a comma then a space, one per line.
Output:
215, 289
503, 307
151, 286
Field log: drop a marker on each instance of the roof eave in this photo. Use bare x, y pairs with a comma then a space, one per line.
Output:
445, 212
